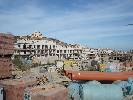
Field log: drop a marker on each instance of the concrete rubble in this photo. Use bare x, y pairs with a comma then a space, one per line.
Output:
46, 92
14, 88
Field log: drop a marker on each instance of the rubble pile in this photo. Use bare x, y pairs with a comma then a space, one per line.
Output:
46, 92
42, 86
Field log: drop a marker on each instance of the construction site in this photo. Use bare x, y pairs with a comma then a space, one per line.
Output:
63, 79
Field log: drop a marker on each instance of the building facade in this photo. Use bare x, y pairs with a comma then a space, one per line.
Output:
43, 48
38, 46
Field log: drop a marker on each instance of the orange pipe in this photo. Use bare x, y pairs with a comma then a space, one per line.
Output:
90, 75
97, 72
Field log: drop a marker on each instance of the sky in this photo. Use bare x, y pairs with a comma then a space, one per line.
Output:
94, 23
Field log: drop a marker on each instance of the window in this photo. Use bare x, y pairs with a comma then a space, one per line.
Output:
24, 52
30, 46
46, 46
50, 47
64, 51
38, 46
53, 46
24, 46
18, 45
42, 46
38, 51
42, 51
57, 51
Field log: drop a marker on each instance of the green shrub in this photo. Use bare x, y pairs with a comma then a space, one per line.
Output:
19, 64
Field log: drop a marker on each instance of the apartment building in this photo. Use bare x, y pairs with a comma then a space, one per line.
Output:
43, 48
104, 55
121, 56
36, 45
97, 54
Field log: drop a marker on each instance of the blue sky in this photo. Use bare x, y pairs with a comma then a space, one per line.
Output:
95, 23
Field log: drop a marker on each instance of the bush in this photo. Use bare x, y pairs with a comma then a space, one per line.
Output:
19, 64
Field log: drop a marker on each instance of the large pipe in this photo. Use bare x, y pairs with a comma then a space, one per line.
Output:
97, 72
90, 75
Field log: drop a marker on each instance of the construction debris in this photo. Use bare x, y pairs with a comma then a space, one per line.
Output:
46, 92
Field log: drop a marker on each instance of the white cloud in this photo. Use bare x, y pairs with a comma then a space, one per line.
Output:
79, 23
